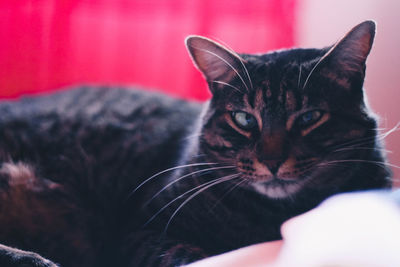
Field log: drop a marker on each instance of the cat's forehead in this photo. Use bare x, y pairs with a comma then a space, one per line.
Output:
282, 60
278, 78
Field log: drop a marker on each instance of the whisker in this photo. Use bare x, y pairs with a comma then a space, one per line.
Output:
197, 156
226, 62
299, 79
191, 136
215, 182
247, 72
240, 59
185, 176
236, 185
389, 179
394, 129
395, 179
316, 65
354, 143
381, 129
311, 72
369, 139
165, 171
378, 163
361, 148
177, 198
227, 84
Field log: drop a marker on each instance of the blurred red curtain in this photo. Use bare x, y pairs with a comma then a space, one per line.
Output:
48, 44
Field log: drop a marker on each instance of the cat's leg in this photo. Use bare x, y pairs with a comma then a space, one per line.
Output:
11, 257
39, 215
146, 248
17, 183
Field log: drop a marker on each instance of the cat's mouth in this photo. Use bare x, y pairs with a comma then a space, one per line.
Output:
282, 183
273, 178
280, 177
276, 187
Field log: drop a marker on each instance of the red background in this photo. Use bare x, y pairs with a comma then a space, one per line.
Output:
49, 44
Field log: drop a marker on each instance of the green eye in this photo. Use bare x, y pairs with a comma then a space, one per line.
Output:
309, 117
244, 120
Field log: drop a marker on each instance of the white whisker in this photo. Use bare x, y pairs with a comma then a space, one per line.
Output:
247, 72
311, 72
378, 163
240, 59
226, 62
227, 84
369, 139
215, 182
361, 148
197, 156
185, 176
167, 170
299, 79
191, 136
236, 185
177, 198
394, 129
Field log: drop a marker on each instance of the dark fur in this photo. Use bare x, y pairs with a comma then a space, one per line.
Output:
74, 163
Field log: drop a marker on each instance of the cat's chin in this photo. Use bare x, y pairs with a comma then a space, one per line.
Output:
277, 188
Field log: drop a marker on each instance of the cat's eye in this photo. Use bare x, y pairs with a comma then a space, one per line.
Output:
309, 118
244, 120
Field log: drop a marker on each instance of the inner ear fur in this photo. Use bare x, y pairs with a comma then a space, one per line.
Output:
345, 61
217, 63
351, 52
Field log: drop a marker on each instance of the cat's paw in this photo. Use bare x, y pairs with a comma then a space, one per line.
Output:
10, 257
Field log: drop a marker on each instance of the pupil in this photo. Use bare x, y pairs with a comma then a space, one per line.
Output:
248, 118
307, 117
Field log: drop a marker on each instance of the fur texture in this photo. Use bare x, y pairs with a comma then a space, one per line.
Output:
101, 177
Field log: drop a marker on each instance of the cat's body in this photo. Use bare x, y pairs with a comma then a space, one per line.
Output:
91, 156
282, 132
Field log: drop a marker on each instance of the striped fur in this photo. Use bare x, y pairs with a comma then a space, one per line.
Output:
101, 177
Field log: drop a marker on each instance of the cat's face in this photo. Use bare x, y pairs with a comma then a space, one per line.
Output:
289, 118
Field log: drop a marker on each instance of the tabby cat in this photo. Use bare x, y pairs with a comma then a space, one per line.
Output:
100, 176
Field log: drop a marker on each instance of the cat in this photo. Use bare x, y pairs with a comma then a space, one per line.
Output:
99, 176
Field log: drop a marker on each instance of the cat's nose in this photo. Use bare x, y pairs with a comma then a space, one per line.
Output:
273, 165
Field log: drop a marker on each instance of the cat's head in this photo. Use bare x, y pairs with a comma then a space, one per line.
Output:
288, 118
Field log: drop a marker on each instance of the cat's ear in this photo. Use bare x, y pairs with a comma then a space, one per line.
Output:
352, 50
217, 63
348, 56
